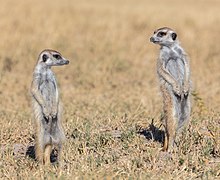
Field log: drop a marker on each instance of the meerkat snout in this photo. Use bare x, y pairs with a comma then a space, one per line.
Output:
151, 39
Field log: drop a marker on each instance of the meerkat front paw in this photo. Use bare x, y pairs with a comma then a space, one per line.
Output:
186, 89
54, 112
177, 90
46, 112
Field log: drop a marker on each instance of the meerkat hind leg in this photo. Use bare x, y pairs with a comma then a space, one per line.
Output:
39, 153
165, 144
170, 122
47, 152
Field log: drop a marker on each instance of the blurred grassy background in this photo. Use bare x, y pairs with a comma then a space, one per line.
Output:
110, 87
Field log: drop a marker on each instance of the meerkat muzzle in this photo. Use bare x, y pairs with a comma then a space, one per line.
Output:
152, 39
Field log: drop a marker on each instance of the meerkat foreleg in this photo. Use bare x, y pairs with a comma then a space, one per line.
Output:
38, 96
186, 85
169, 79
55, 107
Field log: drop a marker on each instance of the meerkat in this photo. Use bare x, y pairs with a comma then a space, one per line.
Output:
174, 77
46, 106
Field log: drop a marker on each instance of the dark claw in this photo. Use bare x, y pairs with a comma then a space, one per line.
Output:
178, 95
46, 119
186, 94
54, 118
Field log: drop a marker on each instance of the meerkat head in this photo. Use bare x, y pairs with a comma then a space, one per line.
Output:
51, 58
164, 37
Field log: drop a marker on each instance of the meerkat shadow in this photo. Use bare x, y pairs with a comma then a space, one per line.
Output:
31, 154
153, 133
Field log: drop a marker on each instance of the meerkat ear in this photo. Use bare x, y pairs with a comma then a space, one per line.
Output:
174, 35
44, 57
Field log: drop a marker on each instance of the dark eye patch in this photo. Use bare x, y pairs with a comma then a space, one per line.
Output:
57, 56
44, 57
161, 34
174, 35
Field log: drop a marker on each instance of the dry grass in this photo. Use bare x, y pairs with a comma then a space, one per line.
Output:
109, 90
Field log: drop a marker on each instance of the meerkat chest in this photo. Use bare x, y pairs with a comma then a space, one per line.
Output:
176, 69
174, 64
48, 86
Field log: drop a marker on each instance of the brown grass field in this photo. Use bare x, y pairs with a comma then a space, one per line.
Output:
110, 93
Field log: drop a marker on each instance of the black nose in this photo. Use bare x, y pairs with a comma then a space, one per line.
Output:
67, 61
151, 39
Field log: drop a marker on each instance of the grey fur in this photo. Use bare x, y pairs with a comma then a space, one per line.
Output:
174, 75
46, 105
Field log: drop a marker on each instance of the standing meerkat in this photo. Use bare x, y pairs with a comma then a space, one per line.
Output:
174, 77
46, 106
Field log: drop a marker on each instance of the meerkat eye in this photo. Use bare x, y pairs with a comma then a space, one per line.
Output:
44, 57
161, 34
57, 56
